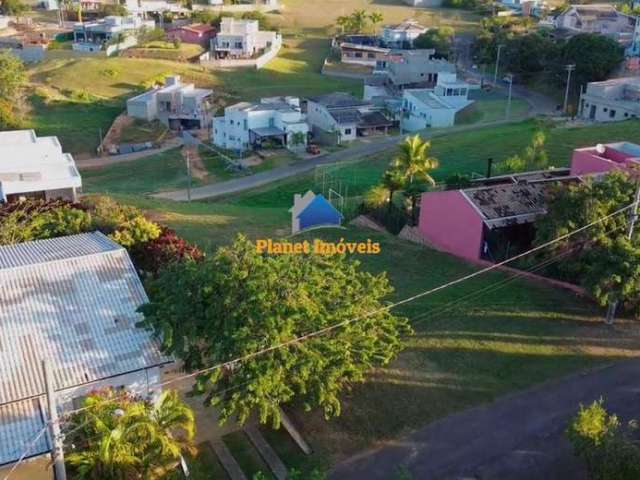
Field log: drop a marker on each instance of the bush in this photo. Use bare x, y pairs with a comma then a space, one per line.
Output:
598, 438
167, 248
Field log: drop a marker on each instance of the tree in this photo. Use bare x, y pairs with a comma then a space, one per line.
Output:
393, 180
534, 156
375, 18
594, 55
440, 39
412, 192
359, 19
599, 439
604, 260
152, 256
14, 7
529, 54
413, 160
13, 76
118, 436
239, 304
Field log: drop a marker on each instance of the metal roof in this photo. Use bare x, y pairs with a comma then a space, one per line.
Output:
20, 422
72, 300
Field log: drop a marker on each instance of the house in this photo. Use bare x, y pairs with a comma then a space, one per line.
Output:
414, 69
177, 105
197, 33
624, 156
633, 50
491, 220
239, 39
602, 18
434, 107
109, 28
363, 54
525, 7
71, 301
250, 125
494, 218
611, 100
35, 167
402, 35
311, 210
4, 22
144, 7
345, 116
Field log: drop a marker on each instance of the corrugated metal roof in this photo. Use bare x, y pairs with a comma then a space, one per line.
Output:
72, 300
20, 422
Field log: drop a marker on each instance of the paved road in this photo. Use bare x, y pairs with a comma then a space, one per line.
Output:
519, 437
374, 146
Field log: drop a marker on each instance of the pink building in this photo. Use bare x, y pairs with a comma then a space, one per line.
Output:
494, 219
197, 33
605, 158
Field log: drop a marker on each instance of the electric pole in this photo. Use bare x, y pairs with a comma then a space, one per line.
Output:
495, 74
188, 175
57, 453
633, 218
569, 69
509, 78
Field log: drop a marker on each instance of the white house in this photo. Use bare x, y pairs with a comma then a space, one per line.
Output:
176, 104
611, 100
104, 30
436, 107
32, 166
242, 39
346, 116
415, 68
4, 22
248, 125
71, 301
603, 18
402, 35
424, 3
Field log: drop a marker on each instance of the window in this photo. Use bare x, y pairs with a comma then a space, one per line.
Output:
347, 131
612, 113
605, 109
246, 124
626, 115
371, 55
238, 45
358, 54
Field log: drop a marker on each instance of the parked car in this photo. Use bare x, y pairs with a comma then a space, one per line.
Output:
313, 149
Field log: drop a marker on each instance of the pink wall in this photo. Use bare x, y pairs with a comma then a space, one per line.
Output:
191, 36
449, 221
588, 161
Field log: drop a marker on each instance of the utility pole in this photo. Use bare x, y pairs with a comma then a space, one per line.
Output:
188, 175
569, 69
509, 78
495, 74
613, 306
57, 453
489, 166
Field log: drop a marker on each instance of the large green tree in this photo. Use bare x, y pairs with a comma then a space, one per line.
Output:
414, 161
440, 39
604, 260
595, 57
121, 437
240, 302
13, 79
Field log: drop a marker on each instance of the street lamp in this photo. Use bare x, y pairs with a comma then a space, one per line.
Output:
495, 74
509, 78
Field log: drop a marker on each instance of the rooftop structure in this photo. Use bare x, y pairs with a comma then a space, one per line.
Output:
623, 156
73, 301
403, 34
105, 29
32, 166
602, 18
197, 33
243, 39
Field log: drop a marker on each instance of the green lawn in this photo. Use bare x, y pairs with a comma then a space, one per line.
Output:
203, 466
140, 131
164, 171
246, 455
490, 107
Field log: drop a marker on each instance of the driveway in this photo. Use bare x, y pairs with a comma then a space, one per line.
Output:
518, 437
373, 146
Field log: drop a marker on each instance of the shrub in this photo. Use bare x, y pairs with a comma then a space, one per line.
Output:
167, 248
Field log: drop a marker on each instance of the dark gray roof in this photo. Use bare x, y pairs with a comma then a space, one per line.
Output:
268, 131
338, 100
348, 116
373, 119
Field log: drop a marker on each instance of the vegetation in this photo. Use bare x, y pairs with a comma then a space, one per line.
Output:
534, 157
607, 447
120, 436
605, 260
14, 7
359, 21
440, 39
12, 82
240, 302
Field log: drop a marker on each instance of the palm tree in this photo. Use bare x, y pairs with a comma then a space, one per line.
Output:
120, 437
412, 192
359, 20
393, 180
375, 18
413, 160
343, 22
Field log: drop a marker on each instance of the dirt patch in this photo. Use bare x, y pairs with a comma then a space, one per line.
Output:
121, 122
198, 170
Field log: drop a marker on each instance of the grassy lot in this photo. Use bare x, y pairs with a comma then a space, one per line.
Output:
490, 107
164, 171
246, 455
140, 131
163, 50
304, 14
203, 466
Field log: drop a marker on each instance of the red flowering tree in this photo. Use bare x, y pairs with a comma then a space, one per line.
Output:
152, 256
